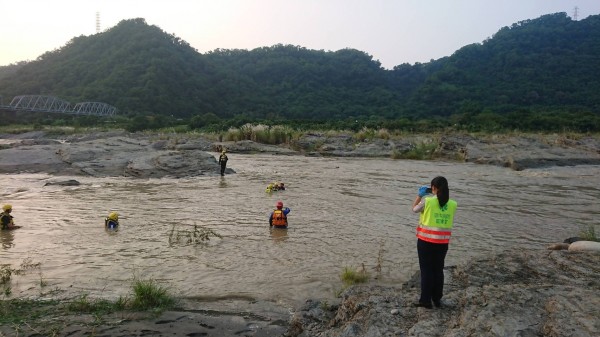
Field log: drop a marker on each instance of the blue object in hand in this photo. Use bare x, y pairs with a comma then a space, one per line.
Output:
423, 191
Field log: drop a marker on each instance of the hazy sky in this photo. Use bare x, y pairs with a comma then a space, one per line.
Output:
392, 31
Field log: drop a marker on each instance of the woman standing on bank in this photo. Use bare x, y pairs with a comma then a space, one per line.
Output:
433, 233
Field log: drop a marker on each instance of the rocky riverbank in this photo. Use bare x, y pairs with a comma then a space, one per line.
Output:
176, 155
513, 293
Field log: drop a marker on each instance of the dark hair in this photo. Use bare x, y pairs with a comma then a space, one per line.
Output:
443, 193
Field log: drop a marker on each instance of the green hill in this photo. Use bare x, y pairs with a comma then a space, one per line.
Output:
546, 65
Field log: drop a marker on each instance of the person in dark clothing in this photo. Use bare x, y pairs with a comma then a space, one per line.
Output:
6, 219
223, 162
433, 233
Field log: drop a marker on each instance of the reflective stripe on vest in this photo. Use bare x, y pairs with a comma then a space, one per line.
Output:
433, 234
279, 218
436, 223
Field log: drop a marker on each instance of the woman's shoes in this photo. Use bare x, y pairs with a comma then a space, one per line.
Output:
423, 305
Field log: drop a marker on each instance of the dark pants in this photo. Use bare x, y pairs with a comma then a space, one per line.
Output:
223, 168
431, 263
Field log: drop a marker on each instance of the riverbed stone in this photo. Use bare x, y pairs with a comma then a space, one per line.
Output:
585, 246
118, 153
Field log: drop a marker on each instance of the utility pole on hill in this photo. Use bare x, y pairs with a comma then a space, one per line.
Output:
575, 12
97, 22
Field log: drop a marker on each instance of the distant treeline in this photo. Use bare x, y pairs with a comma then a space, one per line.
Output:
537, 75
523, 121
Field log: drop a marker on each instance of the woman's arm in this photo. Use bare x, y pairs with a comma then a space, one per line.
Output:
418, 205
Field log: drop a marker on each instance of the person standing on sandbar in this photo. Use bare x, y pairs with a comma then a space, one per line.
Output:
433, 234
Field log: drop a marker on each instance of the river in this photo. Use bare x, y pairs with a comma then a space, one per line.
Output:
346, 212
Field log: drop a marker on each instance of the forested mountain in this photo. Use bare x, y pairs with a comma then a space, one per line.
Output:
133, 66
548, 64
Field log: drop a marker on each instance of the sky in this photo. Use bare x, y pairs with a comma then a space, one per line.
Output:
391, 31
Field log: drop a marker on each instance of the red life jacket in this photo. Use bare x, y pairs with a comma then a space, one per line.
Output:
279, 218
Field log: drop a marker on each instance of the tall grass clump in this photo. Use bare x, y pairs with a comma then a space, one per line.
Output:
368, 133
264, 134
273, 135
147, 294
419, 151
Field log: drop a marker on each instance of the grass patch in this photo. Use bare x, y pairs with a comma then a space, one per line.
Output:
149, 295
351, 276
84, 304
20, 311
589, 233
16, 128
49, 317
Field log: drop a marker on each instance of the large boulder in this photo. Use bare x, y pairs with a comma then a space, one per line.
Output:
585, 246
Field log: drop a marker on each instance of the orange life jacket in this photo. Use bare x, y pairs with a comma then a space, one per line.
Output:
279, 218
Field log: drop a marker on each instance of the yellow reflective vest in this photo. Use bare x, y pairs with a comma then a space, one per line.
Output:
435, 223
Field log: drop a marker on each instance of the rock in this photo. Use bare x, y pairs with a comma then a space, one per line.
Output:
70, 182
559, 246
572, 239
115, 155
585, 246
160, 145
248, 146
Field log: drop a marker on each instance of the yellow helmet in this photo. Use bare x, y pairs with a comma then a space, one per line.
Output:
7, 207
113, 216
223, 151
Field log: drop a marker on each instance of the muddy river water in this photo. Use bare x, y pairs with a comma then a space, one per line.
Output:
346, 212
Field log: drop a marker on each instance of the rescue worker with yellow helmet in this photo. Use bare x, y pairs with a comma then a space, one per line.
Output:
270, 188
276, 186
278, 218
5, 218
112, 221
